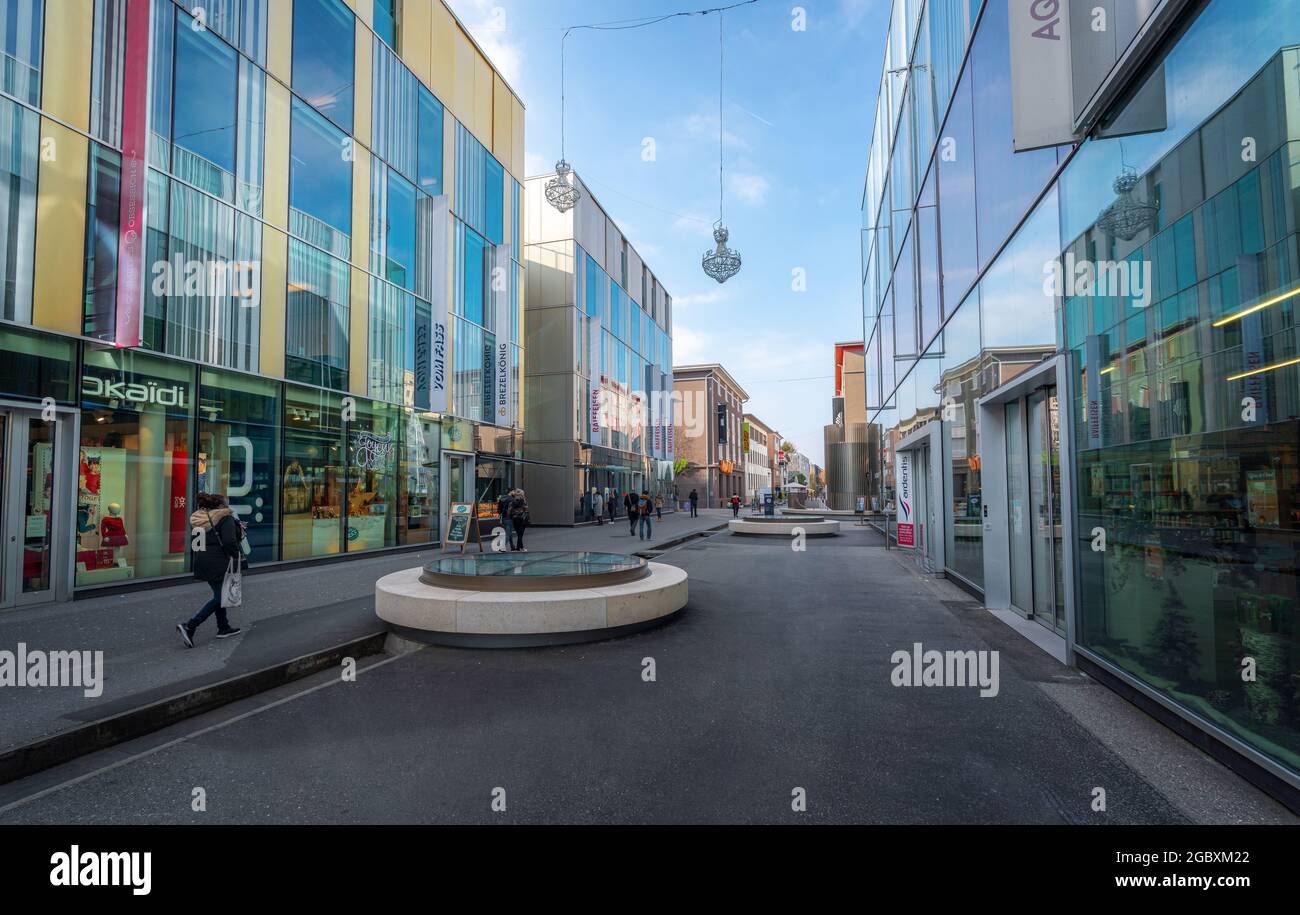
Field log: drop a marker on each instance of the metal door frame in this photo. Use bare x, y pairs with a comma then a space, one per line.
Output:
64, 487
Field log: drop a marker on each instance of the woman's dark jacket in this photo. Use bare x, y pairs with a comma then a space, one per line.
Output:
221, 536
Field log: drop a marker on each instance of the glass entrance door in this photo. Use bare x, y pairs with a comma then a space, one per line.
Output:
33, 520
458, 480
1045, 508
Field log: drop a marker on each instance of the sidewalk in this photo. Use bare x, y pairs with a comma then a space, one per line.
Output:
286, 615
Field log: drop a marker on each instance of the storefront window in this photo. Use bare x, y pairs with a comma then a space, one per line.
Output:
312, 479
134, 487
239, 420
37, 365
418, 521
372, 439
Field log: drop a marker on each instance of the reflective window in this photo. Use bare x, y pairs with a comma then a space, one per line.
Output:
1007, 181
239, 423
320, 182
430, 143
21, 31
312, 478
103, 205
323, 53
399, 260
1017, 309
134, 468
204, 112
957, 207
927, 256
316, 318
385, 21
372, 442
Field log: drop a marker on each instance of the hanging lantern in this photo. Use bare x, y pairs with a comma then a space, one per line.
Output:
1127, 216
722, 263
560, 190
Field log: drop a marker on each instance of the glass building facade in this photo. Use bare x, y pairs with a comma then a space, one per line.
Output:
600, 407
330, 267
1149, 486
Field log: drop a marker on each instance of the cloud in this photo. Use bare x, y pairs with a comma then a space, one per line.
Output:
489, 21
705, 127
750, 188
699, 298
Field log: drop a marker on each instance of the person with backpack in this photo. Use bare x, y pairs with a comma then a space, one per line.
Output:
630, 502
519, 518
215, 544
735, 506
644, 507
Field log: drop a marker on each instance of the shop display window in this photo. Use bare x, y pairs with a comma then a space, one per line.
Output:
418, 519
134, 467
312, 475
372, 440
239, 419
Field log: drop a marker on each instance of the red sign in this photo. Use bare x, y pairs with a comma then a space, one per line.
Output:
135, 139
906, 535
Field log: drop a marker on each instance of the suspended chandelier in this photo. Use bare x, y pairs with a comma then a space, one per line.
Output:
722, 263
1127, 216
561, 192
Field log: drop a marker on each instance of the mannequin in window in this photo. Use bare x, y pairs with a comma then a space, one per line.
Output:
112, 529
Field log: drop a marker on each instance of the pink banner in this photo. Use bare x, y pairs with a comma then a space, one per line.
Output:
135, 138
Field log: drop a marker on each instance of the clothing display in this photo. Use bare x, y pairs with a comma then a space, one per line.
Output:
294, 490
112, 532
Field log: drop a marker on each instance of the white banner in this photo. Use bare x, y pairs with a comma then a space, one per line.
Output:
904, 501
439, 243
502, 282
1041, 77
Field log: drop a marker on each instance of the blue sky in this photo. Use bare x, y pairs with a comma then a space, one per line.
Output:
797, 114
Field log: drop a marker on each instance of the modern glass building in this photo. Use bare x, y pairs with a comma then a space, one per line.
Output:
1118, 459
600, 383
268, 248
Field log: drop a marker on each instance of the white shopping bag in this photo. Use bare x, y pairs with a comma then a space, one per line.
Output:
232, 586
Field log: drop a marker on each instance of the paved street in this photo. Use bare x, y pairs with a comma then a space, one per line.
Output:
288, 613
776, 676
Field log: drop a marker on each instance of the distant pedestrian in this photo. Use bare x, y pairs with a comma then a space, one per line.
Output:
503, 510
219, 540
598, 506
644, 505
735, 506
659, 506
630, 503
695, 504
519, 518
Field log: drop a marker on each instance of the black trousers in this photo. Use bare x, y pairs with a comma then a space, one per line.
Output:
631, 521
519, 525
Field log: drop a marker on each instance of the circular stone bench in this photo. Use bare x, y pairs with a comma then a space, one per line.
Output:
441, 615
783, 527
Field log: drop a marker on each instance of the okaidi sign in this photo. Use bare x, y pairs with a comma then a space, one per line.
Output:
135, 138
904, 500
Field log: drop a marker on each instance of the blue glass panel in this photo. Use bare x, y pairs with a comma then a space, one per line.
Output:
323, 57
320, 178
207, 80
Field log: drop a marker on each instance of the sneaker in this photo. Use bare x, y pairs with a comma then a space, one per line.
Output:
186, 636
229, 633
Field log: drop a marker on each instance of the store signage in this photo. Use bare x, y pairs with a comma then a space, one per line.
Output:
726, 467
131, 213
458, 523
904, 499
1041, 80
595, 410
134, 392
371, 451
503, 376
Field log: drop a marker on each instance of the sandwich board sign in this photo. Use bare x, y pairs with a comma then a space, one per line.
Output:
461, 526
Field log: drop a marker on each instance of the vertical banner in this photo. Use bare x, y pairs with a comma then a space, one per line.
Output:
903, 499
1252, 339
1093, 356
502, 365
134, 190
422, 339
439, 328
1042, 90
594, 335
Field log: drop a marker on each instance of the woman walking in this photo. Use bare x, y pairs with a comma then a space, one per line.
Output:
215, 546
519, 518
630, 502
659, 506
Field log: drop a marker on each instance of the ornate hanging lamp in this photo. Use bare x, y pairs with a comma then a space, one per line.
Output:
722, 263
561, 191
1127, 216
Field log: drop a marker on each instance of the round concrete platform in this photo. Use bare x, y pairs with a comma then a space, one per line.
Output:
783, 527
518, 619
